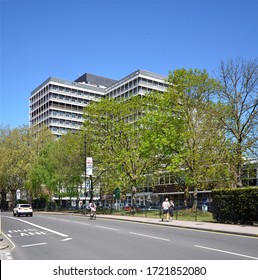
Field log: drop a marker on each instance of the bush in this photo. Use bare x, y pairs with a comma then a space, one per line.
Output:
235, 205
39, 203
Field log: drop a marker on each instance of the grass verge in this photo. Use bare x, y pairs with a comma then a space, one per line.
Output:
185, 215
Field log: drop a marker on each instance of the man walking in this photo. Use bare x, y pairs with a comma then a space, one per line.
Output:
165, 207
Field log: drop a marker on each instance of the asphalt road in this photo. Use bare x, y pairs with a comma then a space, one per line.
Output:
68, 237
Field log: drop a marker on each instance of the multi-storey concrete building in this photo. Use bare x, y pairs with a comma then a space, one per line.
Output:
59, 103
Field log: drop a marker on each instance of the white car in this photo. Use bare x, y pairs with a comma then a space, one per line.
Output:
23, 209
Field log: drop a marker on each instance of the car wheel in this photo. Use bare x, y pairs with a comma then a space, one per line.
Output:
14, 214
31, 214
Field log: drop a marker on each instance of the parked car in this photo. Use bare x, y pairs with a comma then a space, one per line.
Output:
127, 208
142, 208
23, 209
85, 206
130, 208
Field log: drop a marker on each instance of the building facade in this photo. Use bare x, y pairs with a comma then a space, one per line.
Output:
139, 82
59, 104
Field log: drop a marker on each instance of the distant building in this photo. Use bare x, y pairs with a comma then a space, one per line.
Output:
59, 103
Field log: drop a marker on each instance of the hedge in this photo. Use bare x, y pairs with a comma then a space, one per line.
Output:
235, 205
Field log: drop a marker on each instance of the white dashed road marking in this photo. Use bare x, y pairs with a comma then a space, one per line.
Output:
226, 252
32, 245
107, 228
150, 236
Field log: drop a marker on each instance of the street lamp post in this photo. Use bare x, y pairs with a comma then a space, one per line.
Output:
88, 172
91, 188
85, 173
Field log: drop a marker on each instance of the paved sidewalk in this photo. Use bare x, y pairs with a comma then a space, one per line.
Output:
5, 251
205, 226
3, 244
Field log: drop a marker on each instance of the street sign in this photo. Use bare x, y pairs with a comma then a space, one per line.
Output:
117, 193
89, 166
18, 194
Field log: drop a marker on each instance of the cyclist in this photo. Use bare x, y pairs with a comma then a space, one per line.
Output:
93, 209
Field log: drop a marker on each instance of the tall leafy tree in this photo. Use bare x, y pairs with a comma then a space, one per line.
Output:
118, 133
239, 92
202, 153
59, 167
21, 146
4, 160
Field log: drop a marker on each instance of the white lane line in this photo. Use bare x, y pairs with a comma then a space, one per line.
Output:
226, 252
32, 245
107, 228
44, 228
150, 236
81, 223
66, 239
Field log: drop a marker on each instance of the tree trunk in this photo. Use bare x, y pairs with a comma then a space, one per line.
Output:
13, 199
195, 200
239, 182
4, 203
186, 196
134, 198
239, 166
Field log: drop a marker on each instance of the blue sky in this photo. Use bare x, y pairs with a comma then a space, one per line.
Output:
66, 38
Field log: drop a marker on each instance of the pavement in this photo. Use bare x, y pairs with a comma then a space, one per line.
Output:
5, 248
244, 230
204, 226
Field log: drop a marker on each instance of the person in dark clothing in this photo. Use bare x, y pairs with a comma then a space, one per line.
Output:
171, 210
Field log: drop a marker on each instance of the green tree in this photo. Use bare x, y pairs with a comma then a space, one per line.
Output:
4, 159
21, 147
118, 136
41, 178
239, 92
59, 167
202, 155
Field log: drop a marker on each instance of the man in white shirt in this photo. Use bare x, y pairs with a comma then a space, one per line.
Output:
165, 207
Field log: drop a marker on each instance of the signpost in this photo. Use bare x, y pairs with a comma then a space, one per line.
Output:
18, 195
89, 167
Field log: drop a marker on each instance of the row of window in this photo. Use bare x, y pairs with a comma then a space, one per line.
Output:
61, 122
62, 114
41, 95
61, 130
250, 178
70, 99
74, 91
135, 86
140, 90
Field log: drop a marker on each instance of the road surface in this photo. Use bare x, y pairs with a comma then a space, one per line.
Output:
70, 237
